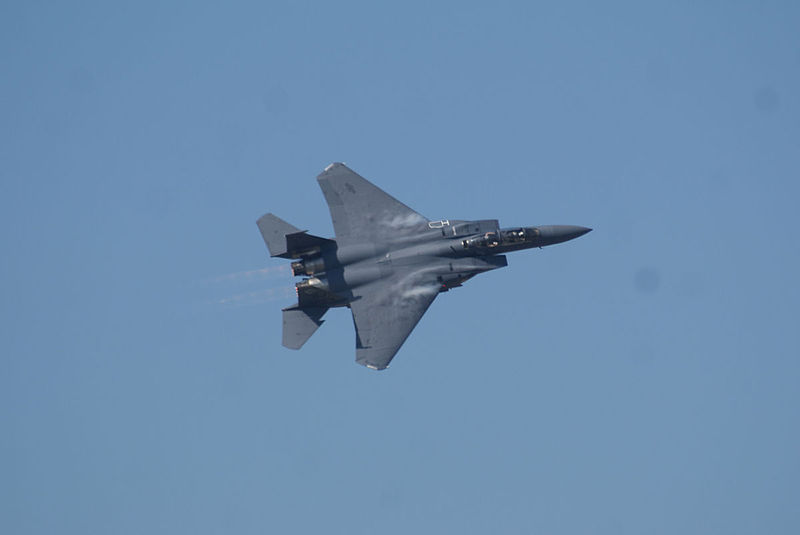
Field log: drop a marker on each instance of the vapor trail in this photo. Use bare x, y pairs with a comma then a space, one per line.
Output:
255, 298
255, 274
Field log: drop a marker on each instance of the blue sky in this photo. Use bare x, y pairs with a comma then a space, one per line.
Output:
641, 379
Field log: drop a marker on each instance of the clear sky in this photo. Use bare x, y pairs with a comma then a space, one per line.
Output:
644, 378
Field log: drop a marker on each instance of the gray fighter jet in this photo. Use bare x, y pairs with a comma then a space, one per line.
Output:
387, 263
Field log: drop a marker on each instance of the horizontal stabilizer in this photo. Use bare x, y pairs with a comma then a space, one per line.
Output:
287, 241
299, 324
274, 230
302, 243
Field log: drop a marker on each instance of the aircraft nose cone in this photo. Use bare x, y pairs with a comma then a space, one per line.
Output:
552, 234
575, 231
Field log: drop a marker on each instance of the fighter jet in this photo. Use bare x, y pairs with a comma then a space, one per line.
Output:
387, 264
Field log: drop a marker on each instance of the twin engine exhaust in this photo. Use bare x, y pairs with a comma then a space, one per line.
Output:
308, 266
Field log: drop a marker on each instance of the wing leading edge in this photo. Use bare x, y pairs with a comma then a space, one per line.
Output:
361, 211
385, 314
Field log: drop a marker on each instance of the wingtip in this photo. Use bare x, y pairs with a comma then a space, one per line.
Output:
370, 365
332, 165
325, 174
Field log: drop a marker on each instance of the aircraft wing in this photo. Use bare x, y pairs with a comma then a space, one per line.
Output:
385, 313
361, 211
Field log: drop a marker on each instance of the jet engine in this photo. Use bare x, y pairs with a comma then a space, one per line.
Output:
316, 292
308, 266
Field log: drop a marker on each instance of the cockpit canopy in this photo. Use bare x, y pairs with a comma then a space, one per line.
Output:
517, 235
489, 239
502, 237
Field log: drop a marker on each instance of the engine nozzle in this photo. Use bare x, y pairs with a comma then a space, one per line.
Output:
308, 266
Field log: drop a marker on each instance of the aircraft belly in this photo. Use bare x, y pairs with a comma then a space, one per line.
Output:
363, 273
